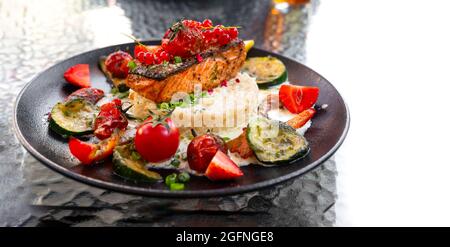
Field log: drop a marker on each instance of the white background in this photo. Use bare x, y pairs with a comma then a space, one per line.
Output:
390, 61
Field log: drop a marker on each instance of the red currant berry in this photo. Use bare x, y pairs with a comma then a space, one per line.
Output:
199, 58
164, 56
233, 32
217, 31
191, 23
207, 35
224, 83
148, 58
224, 39
156, 59
140, 56
207, 23
139, 48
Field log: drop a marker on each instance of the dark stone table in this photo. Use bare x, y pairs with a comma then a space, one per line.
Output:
36, 34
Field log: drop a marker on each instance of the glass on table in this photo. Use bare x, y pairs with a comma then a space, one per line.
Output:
283, 5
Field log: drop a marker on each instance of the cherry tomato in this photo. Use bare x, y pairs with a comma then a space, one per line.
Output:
117, 63
157, 140
298, 98
202, 149
109, 118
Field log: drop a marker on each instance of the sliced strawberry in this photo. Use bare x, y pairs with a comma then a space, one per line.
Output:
222, 168
298, 98
78, 75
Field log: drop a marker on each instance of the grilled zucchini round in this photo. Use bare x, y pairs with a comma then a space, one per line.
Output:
269, 71
127, 166
73, 118
275, 142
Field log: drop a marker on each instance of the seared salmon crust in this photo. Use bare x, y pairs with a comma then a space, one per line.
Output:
159, 82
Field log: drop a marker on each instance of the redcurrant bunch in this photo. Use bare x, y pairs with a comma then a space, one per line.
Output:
185, 39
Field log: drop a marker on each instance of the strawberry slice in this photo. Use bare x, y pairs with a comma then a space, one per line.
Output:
298, 98
78, 75
222, 167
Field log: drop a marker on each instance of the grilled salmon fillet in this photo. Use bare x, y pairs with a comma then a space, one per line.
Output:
159, 82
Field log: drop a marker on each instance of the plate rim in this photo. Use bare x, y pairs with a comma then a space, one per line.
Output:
149, 192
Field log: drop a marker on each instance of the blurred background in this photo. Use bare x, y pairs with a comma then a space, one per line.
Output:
388, 59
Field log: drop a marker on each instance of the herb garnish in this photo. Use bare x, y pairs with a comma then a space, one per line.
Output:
178, 59
132, 64
170, 106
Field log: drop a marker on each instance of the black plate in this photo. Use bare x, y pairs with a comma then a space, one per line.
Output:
37, 98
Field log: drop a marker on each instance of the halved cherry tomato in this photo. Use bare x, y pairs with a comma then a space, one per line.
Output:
298, 98
222, 168
117, 63
78, 75
202, 149
301, 119
109, 118
89, 94
89, 153
157, 139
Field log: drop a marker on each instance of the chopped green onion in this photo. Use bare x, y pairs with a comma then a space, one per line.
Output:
123, 95
175, 163
114, 90
184, 156
181, 103
176, 186
172, 178
183, 177
135, 155
132, 64
164, 106
178, 59
225, 138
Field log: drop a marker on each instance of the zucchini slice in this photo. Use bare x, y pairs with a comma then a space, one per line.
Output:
73, 118
275, 142
130, 167
116, 82
269, 71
